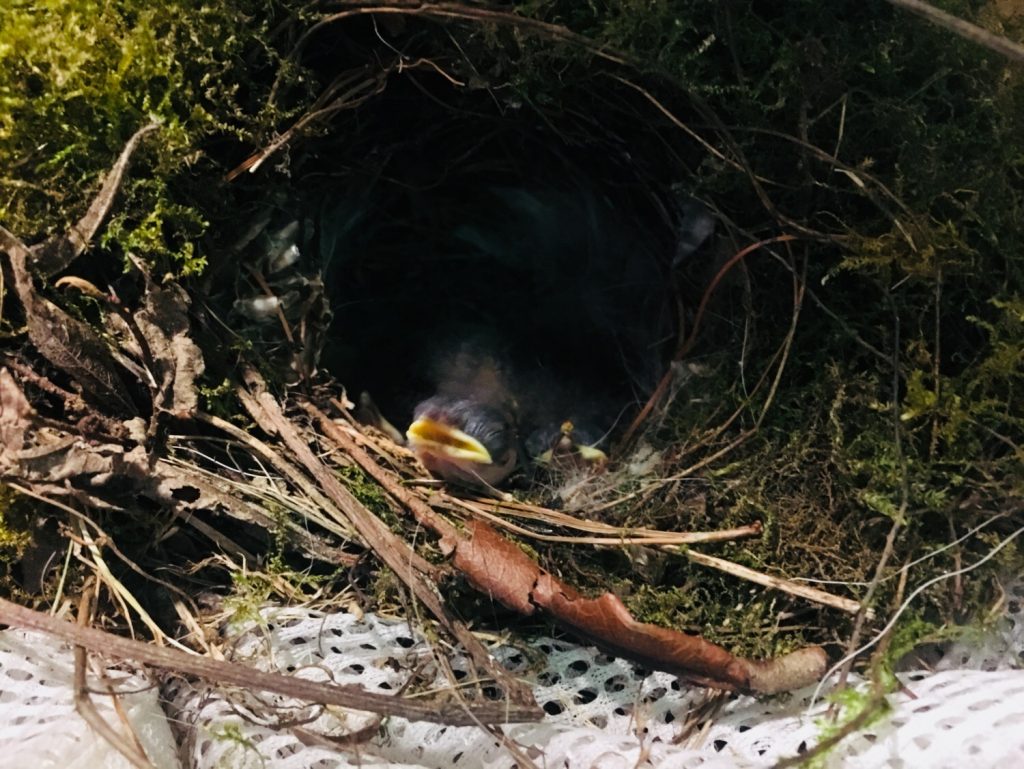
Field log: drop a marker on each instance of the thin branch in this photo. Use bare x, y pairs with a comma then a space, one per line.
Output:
395, 552
616, 536
814, 595
906, 603
964, 29
233, 674
685, 345
132, 751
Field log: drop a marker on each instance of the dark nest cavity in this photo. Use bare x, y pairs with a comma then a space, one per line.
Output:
472, 244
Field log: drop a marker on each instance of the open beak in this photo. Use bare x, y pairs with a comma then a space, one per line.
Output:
589, 454
432, 437
567, 448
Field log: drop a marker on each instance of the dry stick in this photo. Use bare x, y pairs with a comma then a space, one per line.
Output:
426, 517
393, 551
70, 401
781, 355
269, 293
348, 100
85, 707
660, 540
615, 535
965, 29
286, 469
778, 583
651, 537
799, 285
346, 696
107, 542
250, 512
296, 476
855, 174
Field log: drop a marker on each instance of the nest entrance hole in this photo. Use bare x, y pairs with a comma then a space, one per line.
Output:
554, 250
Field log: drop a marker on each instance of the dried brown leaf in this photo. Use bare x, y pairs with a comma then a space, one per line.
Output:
15, 416
177, 360
54, 254
71, 459
497, 567
67, 343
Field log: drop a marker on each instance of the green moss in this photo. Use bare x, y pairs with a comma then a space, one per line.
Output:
369, 493
78, 78
251, 591
220, 399
15, 525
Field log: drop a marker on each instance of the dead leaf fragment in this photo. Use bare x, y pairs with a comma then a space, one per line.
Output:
495, 566
163, 321
15, 415
54, 254
66, 342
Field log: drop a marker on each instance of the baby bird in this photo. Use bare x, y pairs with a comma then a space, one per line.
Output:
465, 440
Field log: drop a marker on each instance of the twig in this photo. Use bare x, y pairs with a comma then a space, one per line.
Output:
421, 510
219, 488
119, 591
72, 402
712, 150
269, 293
336, 521
780, 356
903, 607
133, 753
964, 29
778, 583
348, 100
341, 695
449, 10
685, 345
616, 535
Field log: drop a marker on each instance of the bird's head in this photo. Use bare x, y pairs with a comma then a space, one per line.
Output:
465, 439
568, 444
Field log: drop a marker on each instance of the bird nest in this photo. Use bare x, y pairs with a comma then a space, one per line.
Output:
715, 431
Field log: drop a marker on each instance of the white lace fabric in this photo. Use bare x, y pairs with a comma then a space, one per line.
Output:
603, 713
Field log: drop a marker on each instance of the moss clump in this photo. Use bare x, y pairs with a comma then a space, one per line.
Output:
78, 78
15, 525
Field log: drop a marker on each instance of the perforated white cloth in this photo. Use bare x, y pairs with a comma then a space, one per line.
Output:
968, 713
40, 727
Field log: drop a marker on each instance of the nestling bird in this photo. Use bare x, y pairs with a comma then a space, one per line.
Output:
512, 323
465, 440
467, 429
